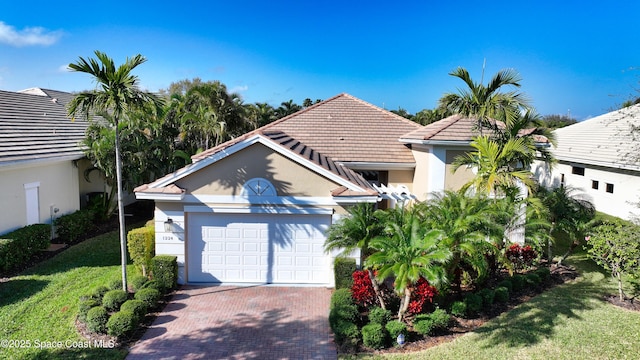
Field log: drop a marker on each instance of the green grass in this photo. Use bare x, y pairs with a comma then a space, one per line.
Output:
571, 321
39, 307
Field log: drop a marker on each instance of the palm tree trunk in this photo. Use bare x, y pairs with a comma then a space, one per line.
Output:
123, 238
405, 303
376, 289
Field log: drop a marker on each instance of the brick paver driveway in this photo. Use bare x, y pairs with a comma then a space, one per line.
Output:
255, 322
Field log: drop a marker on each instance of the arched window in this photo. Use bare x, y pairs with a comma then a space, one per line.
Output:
258, 187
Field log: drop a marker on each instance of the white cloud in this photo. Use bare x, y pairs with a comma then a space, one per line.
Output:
28, 36
238, 89
64, 68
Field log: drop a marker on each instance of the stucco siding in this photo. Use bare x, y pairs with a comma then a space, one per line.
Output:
420, 186
455, 180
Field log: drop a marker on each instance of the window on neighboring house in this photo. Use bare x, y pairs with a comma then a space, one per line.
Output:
595, 184
561, 180
610, 188
577, 170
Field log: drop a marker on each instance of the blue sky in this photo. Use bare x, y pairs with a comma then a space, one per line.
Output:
577, 57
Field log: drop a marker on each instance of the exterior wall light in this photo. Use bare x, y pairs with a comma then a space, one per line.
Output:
168, 225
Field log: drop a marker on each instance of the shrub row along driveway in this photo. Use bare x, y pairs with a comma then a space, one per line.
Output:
255, 322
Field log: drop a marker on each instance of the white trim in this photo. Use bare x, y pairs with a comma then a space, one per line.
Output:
346, 200
10, 165
437, 142
190, 169
257, 210
260, 200
364, 165
159, 196
437, 169
32, 185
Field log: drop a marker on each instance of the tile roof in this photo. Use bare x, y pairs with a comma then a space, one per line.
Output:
605, 140
34, 126
345, 129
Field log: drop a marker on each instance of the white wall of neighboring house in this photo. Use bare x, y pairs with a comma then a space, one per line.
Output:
53, 185
617, 193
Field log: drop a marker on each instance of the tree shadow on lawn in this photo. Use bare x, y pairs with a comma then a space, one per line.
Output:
537, 319
16, 290
246, 336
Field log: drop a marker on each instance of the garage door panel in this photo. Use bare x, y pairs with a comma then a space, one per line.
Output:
276, 248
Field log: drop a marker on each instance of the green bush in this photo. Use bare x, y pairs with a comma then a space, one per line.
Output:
70, 227
506, 284
395, 328
137, 307
440, 318
84, 306
544, 273
341, 297
459, 309
112, 299
518, 282
115, 284
474, 303
98, 293
141, 244
374, 336
426, 324
501, 294
346, 331
343, 315
153, 284
121, 323
378, 315
18, 246
487, 296
343, 269
149, 296
137, 282
164, 269
423, 325
533, 279
97, 319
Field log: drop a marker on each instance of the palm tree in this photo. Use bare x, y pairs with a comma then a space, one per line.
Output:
117, 94
407, 253
355, 232
487, 103
472, 230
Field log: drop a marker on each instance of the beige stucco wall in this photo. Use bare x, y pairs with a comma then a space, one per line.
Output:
455, 180
401, 177
227, 176
58, 187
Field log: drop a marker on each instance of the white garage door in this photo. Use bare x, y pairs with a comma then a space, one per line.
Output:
258, 248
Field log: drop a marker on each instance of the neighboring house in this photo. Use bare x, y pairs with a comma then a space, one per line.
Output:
255, 209
600, 157
41, 161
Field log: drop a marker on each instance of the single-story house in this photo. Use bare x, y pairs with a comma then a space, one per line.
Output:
255, 209
600, 158
41, 160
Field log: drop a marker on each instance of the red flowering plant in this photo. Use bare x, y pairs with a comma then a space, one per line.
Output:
521, 257
422, 295
362, 289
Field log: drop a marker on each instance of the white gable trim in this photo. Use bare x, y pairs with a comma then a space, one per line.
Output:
188, 170
258, 210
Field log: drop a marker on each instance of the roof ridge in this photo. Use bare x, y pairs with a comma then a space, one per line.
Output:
382, 110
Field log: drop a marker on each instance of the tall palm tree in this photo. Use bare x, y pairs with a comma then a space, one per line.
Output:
117, 94
486, 102
408, 252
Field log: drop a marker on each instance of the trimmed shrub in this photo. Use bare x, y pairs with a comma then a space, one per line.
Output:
459, 309
340, 297
474, 303
137, 307
84, 306
18, 246
97, 319
121, 323
137, 282
149, 296
115, 284
141, 245
501, 294
378, 315
71, 226
532, 279
152, 284
164, 269
362, 289
423, 325
518, 282
98, 293
426, 324
112, 299
440, 319
506, 283
395, 328
374, 336
346, 331
487, 296
343, 268
544, 273
343, 315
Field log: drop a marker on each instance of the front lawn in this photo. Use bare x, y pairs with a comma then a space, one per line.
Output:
38, 308
570, 321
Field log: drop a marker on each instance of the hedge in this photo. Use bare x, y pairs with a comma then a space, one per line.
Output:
141, 245
18, 246
71, 226
343, 269
164, 270
121, 323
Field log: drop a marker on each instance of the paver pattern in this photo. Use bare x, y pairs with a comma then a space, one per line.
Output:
252, 322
